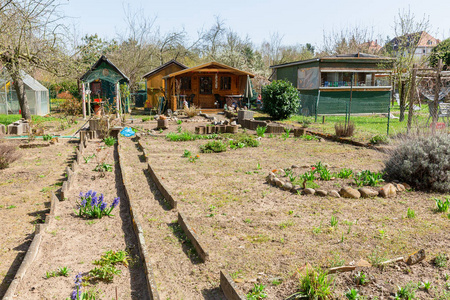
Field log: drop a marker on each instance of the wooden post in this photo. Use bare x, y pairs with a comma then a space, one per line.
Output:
117, 101
412, 90
84, 100
402, 100
437, 89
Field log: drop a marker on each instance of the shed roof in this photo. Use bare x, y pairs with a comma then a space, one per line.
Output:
351, 57
33, 83
211, 67
161, 67
97, 72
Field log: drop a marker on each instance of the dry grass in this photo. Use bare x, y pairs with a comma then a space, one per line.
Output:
344, 131
8, 155
191, 111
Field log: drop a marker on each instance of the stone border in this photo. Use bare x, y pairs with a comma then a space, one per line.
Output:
151, 283
192, 236
228, 288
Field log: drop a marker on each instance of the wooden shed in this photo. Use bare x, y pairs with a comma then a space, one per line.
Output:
156, 84
204, 84
328, 84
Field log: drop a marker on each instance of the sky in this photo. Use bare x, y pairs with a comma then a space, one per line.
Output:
297, 22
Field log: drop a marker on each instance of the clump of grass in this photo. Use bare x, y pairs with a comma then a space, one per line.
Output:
410, 214
213, 146
260, 131
257, 293
344, 131
191, 111
442, 206
315, 284
8, 155
361, 278
440, 260
406, 292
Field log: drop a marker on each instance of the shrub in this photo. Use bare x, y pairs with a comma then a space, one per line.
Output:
379, 139
341, 130
213, 146
71, 107
8, 155
423, 162
315, 285
191, 111
280, 99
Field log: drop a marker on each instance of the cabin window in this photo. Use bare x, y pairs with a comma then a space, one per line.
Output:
185, 83
206, 85
225, 83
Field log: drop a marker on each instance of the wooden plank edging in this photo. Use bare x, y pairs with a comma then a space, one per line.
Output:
162, 188
228, 288
192, 236
151, 283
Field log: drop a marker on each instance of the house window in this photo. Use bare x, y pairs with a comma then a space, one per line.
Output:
206, 85
225, 83
430, 42
185, 83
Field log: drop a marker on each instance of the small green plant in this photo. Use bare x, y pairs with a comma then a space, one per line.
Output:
286, 224
258, 166
47, 137
194, 159
161, 130
324, 174
213, 146
308, 137
318, 229
145, 119
93, 206
360, 278
353, 294
446, 276
103, 167
179, 122
425, 285
236, 274
286, 134
187, 153
440, 260
367, 177
345, 173
378, 139
410, 214
442, 206
309, 176
113, 257
315, 284
260, 131
406, 292
103, 273
376, 258
276, 281
179, 129
109, 141
334, 221
248, 221
62, 271
87, 159
257, 293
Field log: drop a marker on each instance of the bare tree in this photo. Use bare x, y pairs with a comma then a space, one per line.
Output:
347, 40
30, 35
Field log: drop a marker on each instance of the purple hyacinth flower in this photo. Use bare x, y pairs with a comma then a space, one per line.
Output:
100, 199
94, 194
74, 294
78, 279
94, 201
88, 194
81, 194
115, 202
83, 203
103, 205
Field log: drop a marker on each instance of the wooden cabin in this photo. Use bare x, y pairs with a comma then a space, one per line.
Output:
156, 84
203, 85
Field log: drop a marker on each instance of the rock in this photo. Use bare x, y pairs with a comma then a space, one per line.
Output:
321, 140
294, 167
388, 191
348, 192
309, 191
367, 193
270, 178
233, 123
321, 193
407, 186
287, 186
334, 193
363, 263
278, 182
400, 187
416, 257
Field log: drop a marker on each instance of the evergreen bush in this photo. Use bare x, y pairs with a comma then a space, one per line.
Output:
423, 163
281, 99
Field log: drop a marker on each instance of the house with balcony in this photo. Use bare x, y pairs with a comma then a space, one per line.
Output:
420, 42
360, 83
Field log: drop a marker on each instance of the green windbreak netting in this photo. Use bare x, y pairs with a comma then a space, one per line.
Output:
103, 74
330, 103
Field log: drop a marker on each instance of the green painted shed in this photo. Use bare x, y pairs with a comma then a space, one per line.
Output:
327, 84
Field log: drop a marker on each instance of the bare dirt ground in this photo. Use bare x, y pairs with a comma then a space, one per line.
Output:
74, 242
259, 233
25, 199
179, 274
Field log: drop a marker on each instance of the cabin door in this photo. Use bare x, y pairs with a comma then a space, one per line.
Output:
206, 98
